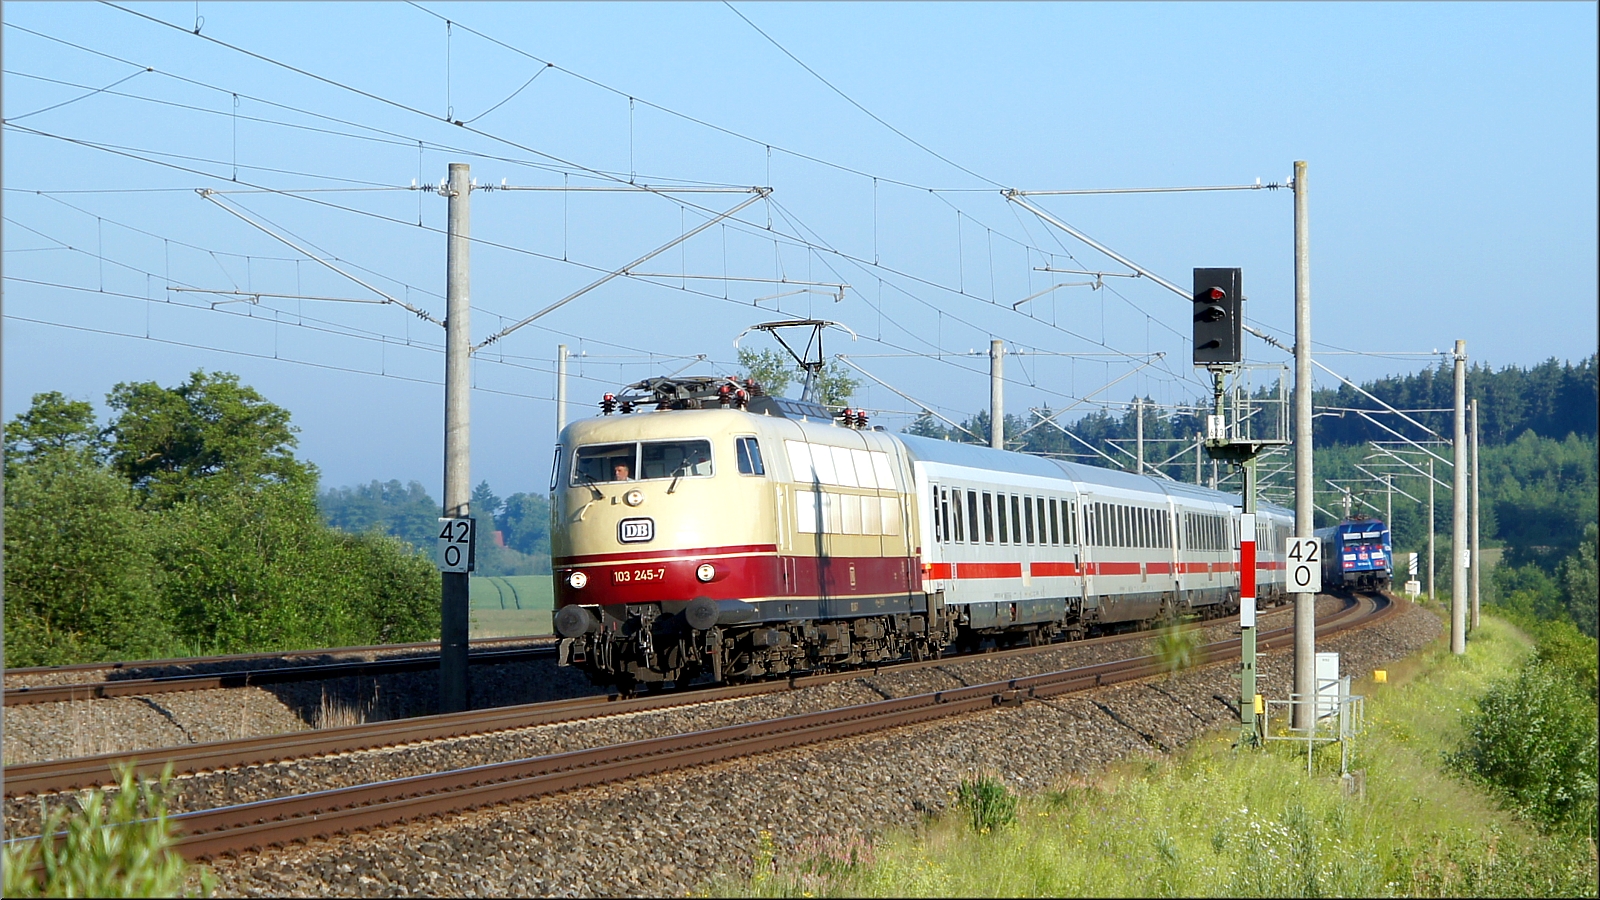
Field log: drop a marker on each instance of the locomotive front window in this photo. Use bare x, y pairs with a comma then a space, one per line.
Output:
600, 463
669, 459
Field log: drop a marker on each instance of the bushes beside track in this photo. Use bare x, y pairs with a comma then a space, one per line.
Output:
186, 527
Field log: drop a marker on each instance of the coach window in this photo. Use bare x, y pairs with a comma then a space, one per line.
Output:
1144, 523
988, 518
938, 532
1069, 509
1027, 518
1004, 517
1055, 524
750, 457
955, 503
1016, 519
972, 516
944, 512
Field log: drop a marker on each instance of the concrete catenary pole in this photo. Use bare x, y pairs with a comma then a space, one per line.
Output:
997, 399
1305, 605
1138, 443
561, 389
1477, 561
454, 691
1458, 518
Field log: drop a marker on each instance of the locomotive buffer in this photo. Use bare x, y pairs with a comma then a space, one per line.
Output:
1218, 317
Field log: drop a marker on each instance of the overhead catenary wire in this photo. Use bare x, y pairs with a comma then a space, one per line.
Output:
708, 295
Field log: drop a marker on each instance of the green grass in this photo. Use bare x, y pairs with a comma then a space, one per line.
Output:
511, 592
1212, 822
510, 605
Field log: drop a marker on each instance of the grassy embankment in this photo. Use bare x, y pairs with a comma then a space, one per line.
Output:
511, 605
1208, 822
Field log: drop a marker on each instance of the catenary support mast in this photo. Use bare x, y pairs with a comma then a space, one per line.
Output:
1305, 605
454, 691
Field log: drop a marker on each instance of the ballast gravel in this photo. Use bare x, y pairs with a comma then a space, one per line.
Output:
674, 833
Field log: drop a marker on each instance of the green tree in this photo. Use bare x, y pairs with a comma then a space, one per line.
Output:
53, 426
405, 511
203, 436
772, 370
525, 522
835, 385
1579, 581
775, 372
81, 582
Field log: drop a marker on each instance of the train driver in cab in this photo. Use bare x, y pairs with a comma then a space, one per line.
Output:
619, 472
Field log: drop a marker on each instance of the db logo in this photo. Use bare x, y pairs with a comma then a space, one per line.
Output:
636, 531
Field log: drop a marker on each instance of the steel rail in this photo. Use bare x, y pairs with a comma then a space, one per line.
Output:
76, 773
249, 827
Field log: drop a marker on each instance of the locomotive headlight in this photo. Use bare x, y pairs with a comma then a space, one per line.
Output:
578, 580
633, 497
706, 572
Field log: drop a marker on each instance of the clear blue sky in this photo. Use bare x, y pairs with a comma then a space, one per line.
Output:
1452, 152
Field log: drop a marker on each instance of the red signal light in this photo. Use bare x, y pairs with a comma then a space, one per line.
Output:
1215, 294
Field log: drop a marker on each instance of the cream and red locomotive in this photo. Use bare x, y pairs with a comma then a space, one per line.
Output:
740, 535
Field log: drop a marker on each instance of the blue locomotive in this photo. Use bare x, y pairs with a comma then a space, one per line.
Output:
1356, 553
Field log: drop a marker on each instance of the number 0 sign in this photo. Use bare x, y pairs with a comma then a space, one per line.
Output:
455, 545
1304, 569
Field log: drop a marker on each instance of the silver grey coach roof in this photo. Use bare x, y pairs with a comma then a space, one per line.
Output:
977, 456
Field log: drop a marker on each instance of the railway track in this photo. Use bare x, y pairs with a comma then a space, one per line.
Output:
76, 773
286, 672
249, 827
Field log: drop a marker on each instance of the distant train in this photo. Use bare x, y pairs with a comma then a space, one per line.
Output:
742, 535
1356, 554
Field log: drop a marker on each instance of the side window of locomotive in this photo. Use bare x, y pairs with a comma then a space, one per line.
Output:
600, 463
555, 469
670, 459
750, 457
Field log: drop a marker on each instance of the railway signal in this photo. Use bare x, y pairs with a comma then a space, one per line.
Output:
1217, 317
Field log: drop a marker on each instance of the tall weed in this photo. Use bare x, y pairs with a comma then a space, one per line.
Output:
113, 846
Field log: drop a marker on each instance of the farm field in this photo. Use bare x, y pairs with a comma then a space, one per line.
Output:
502, 606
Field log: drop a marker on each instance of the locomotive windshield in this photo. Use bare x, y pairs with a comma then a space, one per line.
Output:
599, 463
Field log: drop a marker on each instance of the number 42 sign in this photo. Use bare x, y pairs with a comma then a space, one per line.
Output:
455, 545
1304, 569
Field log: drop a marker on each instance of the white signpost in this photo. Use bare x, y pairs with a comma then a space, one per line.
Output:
1304, 563
454, 552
